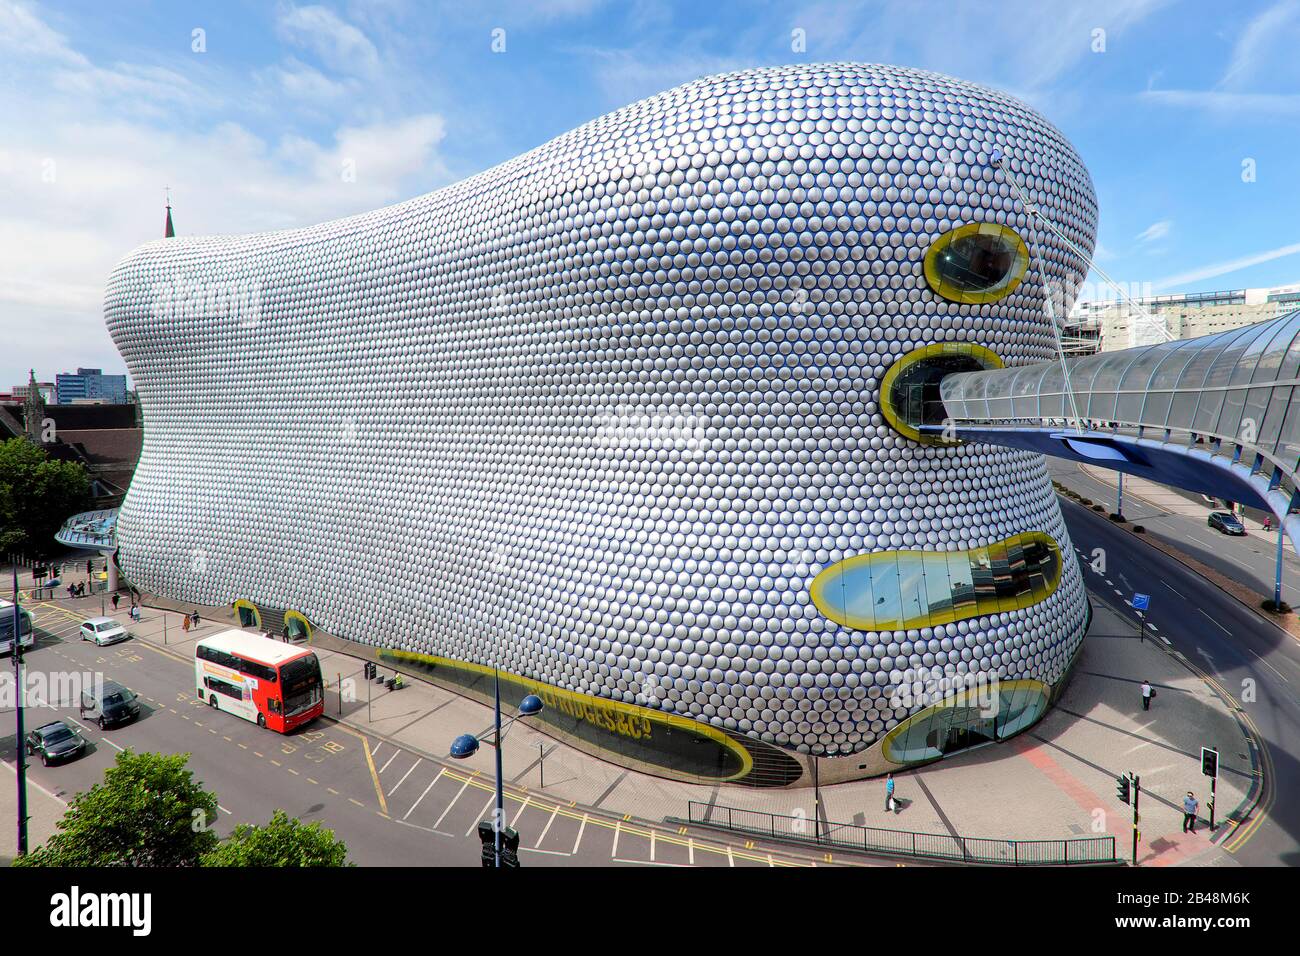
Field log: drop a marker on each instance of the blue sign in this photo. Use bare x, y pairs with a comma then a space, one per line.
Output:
1141, 602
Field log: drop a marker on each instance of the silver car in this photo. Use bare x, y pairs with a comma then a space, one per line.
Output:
103, 630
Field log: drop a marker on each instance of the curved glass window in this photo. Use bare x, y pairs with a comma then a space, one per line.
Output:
963, 716
909, 392
896, 590
977, 262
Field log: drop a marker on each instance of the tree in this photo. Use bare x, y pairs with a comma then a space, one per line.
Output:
37, 494
147, 812
285, 841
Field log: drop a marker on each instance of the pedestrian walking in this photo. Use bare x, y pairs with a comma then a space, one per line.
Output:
889, 793
1147, 693
1190, 807
185, 623
194, 618
135, 613
1268, 522
116, 600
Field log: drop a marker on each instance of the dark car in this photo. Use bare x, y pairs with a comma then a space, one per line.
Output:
1227, 522
108, 704
55, 742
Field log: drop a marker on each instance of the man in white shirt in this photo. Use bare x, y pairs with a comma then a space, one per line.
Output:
1147, 694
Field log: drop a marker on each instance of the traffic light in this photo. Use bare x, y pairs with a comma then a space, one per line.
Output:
1122, 788
510, 848
509, 845
488, 856
1209, 762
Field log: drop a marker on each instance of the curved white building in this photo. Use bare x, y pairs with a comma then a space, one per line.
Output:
633, 416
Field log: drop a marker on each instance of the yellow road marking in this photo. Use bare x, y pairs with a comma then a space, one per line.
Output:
370, 762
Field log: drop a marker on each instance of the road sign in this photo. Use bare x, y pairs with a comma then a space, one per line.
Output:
1141, 602
1209, 762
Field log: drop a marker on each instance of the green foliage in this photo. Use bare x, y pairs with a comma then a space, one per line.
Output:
285, 841
37, 494
147, 812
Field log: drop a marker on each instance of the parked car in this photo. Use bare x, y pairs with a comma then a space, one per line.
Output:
110, 703
55, 742
1227, 522
103, 630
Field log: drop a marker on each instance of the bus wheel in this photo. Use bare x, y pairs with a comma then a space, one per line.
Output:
261, 720
212, 701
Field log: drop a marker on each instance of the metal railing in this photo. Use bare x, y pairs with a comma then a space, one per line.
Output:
933, 846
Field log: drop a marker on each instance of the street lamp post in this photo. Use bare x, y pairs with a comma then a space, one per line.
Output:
466, 745
1277, 577
21, 756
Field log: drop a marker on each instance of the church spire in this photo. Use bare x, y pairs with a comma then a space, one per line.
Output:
33, 409
169, 231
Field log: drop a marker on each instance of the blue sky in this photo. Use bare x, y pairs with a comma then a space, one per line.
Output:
102, 104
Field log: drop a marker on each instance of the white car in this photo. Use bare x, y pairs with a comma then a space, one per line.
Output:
103, 630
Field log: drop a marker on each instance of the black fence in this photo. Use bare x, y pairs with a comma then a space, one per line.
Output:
933, 846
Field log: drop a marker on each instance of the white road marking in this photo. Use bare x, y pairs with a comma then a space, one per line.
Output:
425, 794
618, 831
690, 850
474, 826
390, 760
1214, 622
533, 849
522, 807
1270, 667
581, 829
615, 859
418, 760
547, 828
447, 810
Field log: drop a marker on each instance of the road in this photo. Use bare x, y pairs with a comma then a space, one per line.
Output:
1250, 560
391, 806
1252, 661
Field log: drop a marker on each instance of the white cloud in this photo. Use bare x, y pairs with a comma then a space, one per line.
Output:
1223, 268
1277, 28
1155, 231
23, 34
81, 181
1227, 104
1267, 40
339, 44
302, 82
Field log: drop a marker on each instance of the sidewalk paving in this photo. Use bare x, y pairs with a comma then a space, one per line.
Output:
1170, 500
1056, 781
44, 811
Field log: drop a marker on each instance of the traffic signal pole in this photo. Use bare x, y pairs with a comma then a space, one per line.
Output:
20, 739
1137, 792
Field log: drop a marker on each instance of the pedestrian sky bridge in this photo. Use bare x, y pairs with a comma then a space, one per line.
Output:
1219, 415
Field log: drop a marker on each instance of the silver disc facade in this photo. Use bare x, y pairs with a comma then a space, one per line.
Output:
605, 414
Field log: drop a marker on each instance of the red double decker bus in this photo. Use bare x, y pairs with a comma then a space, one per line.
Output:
273, 684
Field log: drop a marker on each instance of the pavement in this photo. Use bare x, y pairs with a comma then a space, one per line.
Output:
383, 760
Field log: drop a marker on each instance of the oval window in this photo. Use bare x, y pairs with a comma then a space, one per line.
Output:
898, 590
909, 392
975, 263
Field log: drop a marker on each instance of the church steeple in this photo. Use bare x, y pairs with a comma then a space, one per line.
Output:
169, 230
33, 409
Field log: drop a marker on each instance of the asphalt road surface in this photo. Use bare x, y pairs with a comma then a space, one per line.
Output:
396, 807
1245, 654
1250, 560
390, 806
